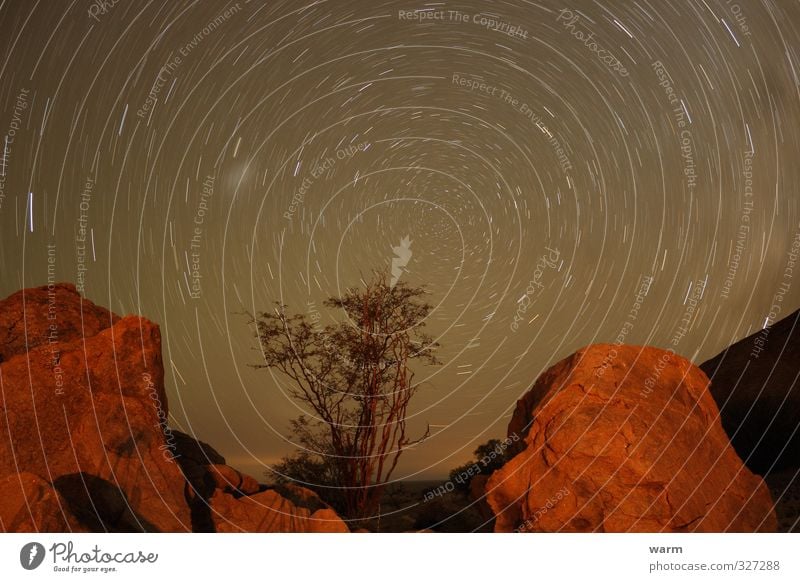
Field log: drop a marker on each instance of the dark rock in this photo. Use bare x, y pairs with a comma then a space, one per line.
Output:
195, 451
755, 383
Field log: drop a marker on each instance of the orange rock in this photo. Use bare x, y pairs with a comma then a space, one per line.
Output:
296, 510
30, 504
625, 438
83, 419
232, 481
93, 405
26, 318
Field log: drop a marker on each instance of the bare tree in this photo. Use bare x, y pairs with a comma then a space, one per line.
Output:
354, 377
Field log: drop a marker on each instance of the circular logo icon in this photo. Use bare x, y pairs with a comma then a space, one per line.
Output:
31, 555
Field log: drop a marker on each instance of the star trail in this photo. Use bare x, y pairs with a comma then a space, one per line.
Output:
556, 175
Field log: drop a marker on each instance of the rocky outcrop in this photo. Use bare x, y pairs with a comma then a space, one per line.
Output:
77, 404
83, 420
27, 318
756, 383
224, 500
477, 489
30, 504
785, 489
193, 452
285, 509
624, 438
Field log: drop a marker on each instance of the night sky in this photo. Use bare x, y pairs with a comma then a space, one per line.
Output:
562, 174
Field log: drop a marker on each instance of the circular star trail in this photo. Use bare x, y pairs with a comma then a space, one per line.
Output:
556, 176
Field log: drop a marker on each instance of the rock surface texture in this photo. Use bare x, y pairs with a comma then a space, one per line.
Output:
625, 438
31, 504
84, 441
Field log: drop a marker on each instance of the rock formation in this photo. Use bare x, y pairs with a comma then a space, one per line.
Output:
224, 500
477, 489
756, 383
85, 408
785, 489
84, 442
286, 508
624, 438
30, 504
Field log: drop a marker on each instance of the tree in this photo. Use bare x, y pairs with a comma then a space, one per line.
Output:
355, 380
489, 457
